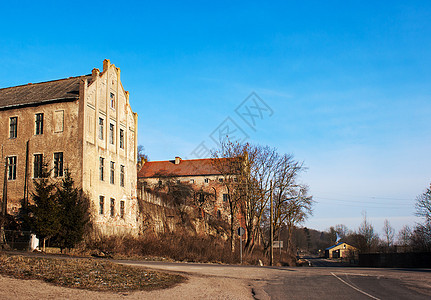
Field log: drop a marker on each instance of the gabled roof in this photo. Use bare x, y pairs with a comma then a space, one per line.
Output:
329, 248
189, 167
33, 94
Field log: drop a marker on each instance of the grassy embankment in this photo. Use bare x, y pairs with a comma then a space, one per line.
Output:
91, 274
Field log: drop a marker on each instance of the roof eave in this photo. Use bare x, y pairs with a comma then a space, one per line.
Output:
36, 103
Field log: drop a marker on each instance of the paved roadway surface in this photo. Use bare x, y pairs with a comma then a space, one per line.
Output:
327, 280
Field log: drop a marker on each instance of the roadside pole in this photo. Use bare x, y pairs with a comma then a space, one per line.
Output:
240, 249
271, 239
240, 232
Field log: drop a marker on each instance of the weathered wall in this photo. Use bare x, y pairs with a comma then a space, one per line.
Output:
78, 140
97, 105
50, 141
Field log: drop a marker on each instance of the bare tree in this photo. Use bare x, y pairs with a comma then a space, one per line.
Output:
405, 235
388, 233
369, 238
231, 163
142, 157
342, 230
423, 205
261, 168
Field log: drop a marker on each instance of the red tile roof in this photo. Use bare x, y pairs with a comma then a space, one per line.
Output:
186, 167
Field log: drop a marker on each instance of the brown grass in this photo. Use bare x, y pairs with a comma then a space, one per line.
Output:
177, 247
91, 274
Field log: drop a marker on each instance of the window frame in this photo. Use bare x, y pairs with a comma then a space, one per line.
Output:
111, 133
112, 208
112, 100
112, 172
11, 167
13, 127
121, 138
101, 205
122, 209
122, 173
101, 168
38, 124
58, 164
37, 165
101, 128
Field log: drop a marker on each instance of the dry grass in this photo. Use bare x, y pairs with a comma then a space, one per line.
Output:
176, 247
91, 274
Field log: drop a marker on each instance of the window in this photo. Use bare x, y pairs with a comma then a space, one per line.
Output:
111, 133
112, 100
58, 164
101, 128
225, 197
37, 166
101, 205
11, 168
13, 127
122, 209
206, 180
101, 166
112, 207
220, 179
39, 124
112, 173
192, 181
121, 138
122, 176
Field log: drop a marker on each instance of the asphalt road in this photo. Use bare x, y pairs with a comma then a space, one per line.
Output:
324, 282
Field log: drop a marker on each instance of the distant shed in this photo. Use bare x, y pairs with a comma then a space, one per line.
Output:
339, 250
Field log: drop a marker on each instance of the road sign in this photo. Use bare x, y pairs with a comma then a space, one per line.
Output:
240, 231
278, 244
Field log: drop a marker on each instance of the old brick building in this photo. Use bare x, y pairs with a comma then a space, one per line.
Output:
202, 175
84, 124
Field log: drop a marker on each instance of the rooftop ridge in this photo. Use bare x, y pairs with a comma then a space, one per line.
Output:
42, 82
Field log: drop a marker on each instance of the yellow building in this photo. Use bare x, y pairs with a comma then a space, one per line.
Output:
84, 124
341, 250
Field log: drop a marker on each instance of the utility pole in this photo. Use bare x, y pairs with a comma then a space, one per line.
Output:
271, 217
26, 177
4, 205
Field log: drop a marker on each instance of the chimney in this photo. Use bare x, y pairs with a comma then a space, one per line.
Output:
177, 160
106, 64
94, 74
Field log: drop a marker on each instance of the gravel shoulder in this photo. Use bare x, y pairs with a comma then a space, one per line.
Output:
196, 287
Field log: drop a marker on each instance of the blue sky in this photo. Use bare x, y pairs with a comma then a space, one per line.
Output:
349, 84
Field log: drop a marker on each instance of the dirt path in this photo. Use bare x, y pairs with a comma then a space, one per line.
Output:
196, 287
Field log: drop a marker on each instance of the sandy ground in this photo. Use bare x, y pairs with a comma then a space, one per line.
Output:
196, 287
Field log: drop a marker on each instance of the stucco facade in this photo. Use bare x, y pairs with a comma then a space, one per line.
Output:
84, 124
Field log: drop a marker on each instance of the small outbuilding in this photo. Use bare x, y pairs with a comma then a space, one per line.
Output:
340, 250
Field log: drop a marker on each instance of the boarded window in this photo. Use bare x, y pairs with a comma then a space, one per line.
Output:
59, 121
